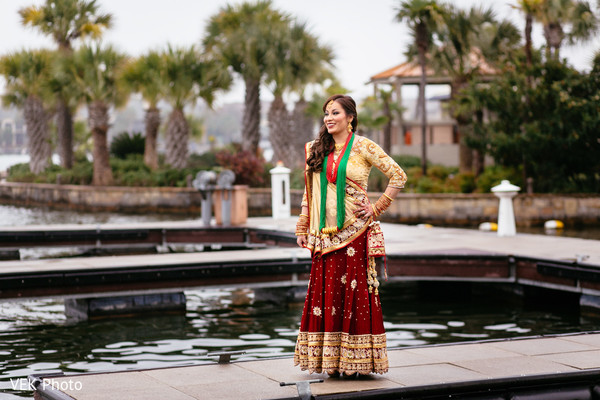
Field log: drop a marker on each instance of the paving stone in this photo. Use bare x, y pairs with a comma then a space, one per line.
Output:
591, 339
120, 386
533, 347
451, 353
581, 359
404, 357
513, 366
431, 374
215, 373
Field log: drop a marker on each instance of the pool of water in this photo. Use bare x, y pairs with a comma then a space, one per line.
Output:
36, 337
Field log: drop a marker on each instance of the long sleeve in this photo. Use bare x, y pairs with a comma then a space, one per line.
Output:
373, 155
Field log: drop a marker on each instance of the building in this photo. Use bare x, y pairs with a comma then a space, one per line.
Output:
13, 136
442, 135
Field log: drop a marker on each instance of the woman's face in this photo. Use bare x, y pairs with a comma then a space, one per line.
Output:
336, 120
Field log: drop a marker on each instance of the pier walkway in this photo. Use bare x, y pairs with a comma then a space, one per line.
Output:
554, 367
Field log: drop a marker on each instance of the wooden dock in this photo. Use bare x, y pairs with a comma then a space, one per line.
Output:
553, 367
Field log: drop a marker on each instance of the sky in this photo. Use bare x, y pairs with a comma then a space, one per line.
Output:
363, 34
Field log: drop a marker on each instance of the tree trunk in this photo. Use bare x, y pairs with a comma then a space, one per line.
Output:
251, 119
465, 153
279, 132
554, 36
387, 128
479, 154
528, 27
38, 146
178, 133
64, 130
302, 131
152, 122
422, 43
98, 122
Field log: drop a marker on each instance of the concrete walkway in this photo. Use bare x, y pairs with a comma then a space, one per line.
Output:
409, 367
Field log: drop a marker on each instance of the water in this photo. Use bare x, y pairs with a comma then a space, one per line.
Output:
36, 337
21, 216
8, 160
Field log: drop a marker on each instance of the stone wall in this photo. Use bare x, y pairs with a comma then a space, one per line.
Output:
409, 208
472, 209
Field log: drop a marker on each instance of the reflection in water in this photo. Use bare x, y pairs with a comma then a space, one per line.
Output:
20, 216
36, 337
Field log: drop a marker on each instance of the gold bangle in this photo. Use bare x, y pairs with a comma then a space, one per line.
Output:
388, 197
303, 215
301, 234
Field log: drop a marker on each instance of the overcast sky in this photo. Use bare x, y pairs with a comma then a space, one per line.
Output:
363, 34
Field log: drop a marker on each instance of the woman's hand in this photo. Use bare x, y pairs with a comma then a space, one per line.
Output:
363, 209
302, 241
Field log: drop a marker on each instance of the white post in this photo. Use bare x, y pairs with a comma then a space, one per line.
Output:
280, 191
505, 191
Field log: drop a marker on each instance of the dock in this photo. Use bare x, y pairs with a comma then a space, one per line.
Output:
553, 367
268, 256
521, 368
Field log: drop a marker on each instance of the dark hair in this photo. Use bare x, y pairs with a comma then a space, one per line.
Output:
324, 143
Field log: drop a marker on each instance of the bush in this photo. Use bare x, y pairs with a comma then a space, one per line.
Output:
493, 175
249, 168
406, 161
20, 173
124, 144
206, 160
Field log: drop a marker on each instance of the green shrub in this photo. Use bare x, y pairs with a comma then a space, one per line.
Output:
428, 185
493, 175
466, 182
206, 160
124, 144
406, 161
20, 173
439, 172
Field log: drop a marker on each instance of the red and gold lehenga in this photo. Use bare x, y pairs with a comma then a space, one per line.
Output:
342, 325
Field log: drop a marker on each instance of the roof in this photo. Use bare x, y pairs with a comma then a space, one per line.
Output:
410, 71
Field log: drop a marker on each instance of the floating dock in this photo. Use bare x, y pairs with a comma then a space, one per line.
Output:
543, 368
413, 253
565, 367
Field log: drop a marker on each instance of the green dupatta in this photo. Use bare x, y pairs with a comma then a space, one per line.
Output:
340, 184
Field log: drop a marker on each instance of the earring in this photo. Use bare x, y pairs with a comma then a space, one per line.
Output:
349, 127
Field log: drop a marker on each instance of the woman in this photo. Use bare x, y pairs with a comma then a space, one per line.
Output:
341, 331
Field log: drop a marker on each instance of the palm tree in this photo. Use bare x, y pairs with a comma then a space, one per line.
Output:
469, 39
296, 61
26, 74
187, 76
530, 8
423, 17
145, 75
96, 74
557, 16
241, 36
66, 21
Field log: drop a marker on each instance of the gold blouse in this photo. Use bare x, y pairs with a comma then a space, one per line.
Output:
364, 155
